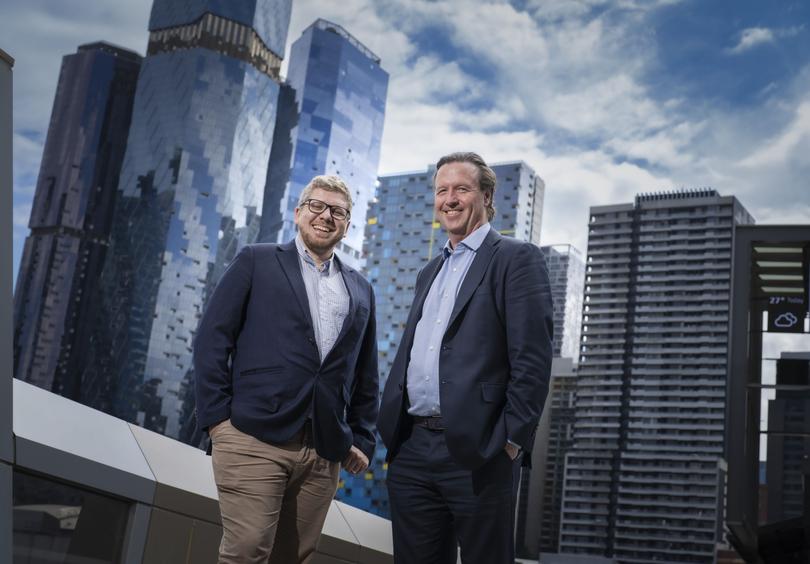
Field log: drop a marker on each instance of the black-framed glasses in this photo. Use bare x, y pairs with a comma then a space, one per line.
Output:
318, 207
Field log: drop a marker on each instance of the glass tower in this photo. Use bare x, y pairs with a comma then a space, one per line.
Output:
71, 217
644, 479
190, 195
566, 270
340, 92
401, 236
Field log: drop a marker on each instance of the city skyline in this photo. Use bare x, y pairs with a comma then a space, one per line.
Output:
604, 100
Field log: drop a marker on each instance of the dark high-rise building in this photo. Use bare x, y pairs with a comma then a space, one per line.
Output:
190, 195
401, 237
541, 488
340, 92
644, 479
540, 497
566, 271
71, 218
788, 438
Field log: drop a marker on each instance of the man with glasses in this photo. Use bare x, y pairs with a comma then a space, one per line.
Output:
285, 361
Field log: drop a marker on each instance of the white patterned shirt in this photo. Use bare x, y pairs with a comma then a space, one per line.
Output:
327, 296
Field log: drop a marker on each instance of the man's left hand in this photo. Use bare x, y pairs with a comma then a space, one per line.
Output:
356, 461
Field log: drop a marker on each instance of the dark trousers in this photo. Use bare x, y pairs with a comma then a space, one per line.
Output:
436, 505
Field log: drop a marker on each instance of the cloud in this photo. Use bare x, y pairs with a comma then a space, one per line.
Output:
754, 36
22, 213
568, 86
793, 141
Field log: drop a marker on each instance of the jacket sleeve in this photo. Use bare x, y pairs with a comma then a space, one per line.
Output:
216, 340
363, 408
529, 330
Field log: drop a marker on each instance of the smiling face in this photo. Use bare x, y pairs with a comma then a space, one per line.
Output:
459, 203
321, 232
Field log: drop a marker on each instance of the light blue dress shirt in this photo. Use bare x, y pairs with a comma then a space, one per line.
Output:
423, 369
327, 295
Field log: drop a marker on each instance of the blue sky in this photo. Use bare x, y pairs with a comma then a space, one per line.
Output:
604, 99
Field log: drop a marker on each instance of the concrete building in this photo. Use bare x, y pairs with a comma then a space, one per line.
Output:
644, 479
540, 498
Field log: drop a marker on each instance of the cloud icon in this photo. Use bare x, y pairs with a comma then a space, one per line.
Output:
786, 320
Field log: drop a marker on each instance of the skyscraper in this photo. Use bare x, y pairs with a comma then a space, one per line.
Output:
190, 194
541, 488
644, 480
566, 271
401, 236
340, 92
71, 217
540, 496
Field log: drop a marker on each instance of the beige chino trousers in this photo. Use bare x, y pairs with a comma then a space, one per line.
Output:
273, 498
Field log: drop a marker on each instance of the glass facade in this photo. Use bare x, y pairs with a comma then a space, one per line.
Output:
644, 479
190, 195
401, 236
55, 522
340, 92
71, 217
566, 270
768, 406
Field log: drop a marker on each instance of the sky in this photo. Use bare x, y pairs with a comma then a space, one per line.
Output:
604, 99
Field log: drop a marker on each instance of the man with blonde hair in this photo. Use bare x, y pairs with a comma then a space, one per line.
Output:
285, 361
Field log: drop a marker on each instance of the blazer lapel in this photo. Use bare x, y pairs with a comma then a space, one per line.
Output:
478, 268
288, 258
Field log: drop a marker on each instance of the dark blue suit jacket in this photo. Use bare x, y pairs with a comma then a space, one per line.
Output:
495, 358
256, 360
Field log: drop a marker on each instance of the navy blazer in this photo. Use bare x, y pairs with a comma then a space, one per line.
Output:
495, 359
256, 360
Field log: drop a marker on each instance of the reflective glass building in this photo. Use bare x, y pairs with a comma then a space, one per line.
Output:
401, 236
645, 476
566, 271
71, 218
340, 92
190, 194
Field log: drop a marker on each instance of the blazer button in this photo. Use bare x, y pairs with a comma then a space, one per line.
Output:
400, 387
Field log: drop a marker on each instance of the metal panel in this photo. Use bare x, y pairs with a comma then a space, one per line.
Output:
185, 480
5, 513
136, 534
373, 533
62, 438
169, 538
337, 539
204, 543
6, 443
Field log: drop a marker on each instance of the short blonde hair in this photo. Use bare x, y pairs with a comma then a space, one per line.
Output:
330, 183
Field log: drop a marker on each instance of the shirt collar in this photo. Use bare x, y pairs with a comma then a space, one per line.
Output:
303, 252
472, 241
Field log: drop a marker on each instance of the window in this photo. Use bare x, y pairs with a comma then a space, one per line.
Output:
55, 522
